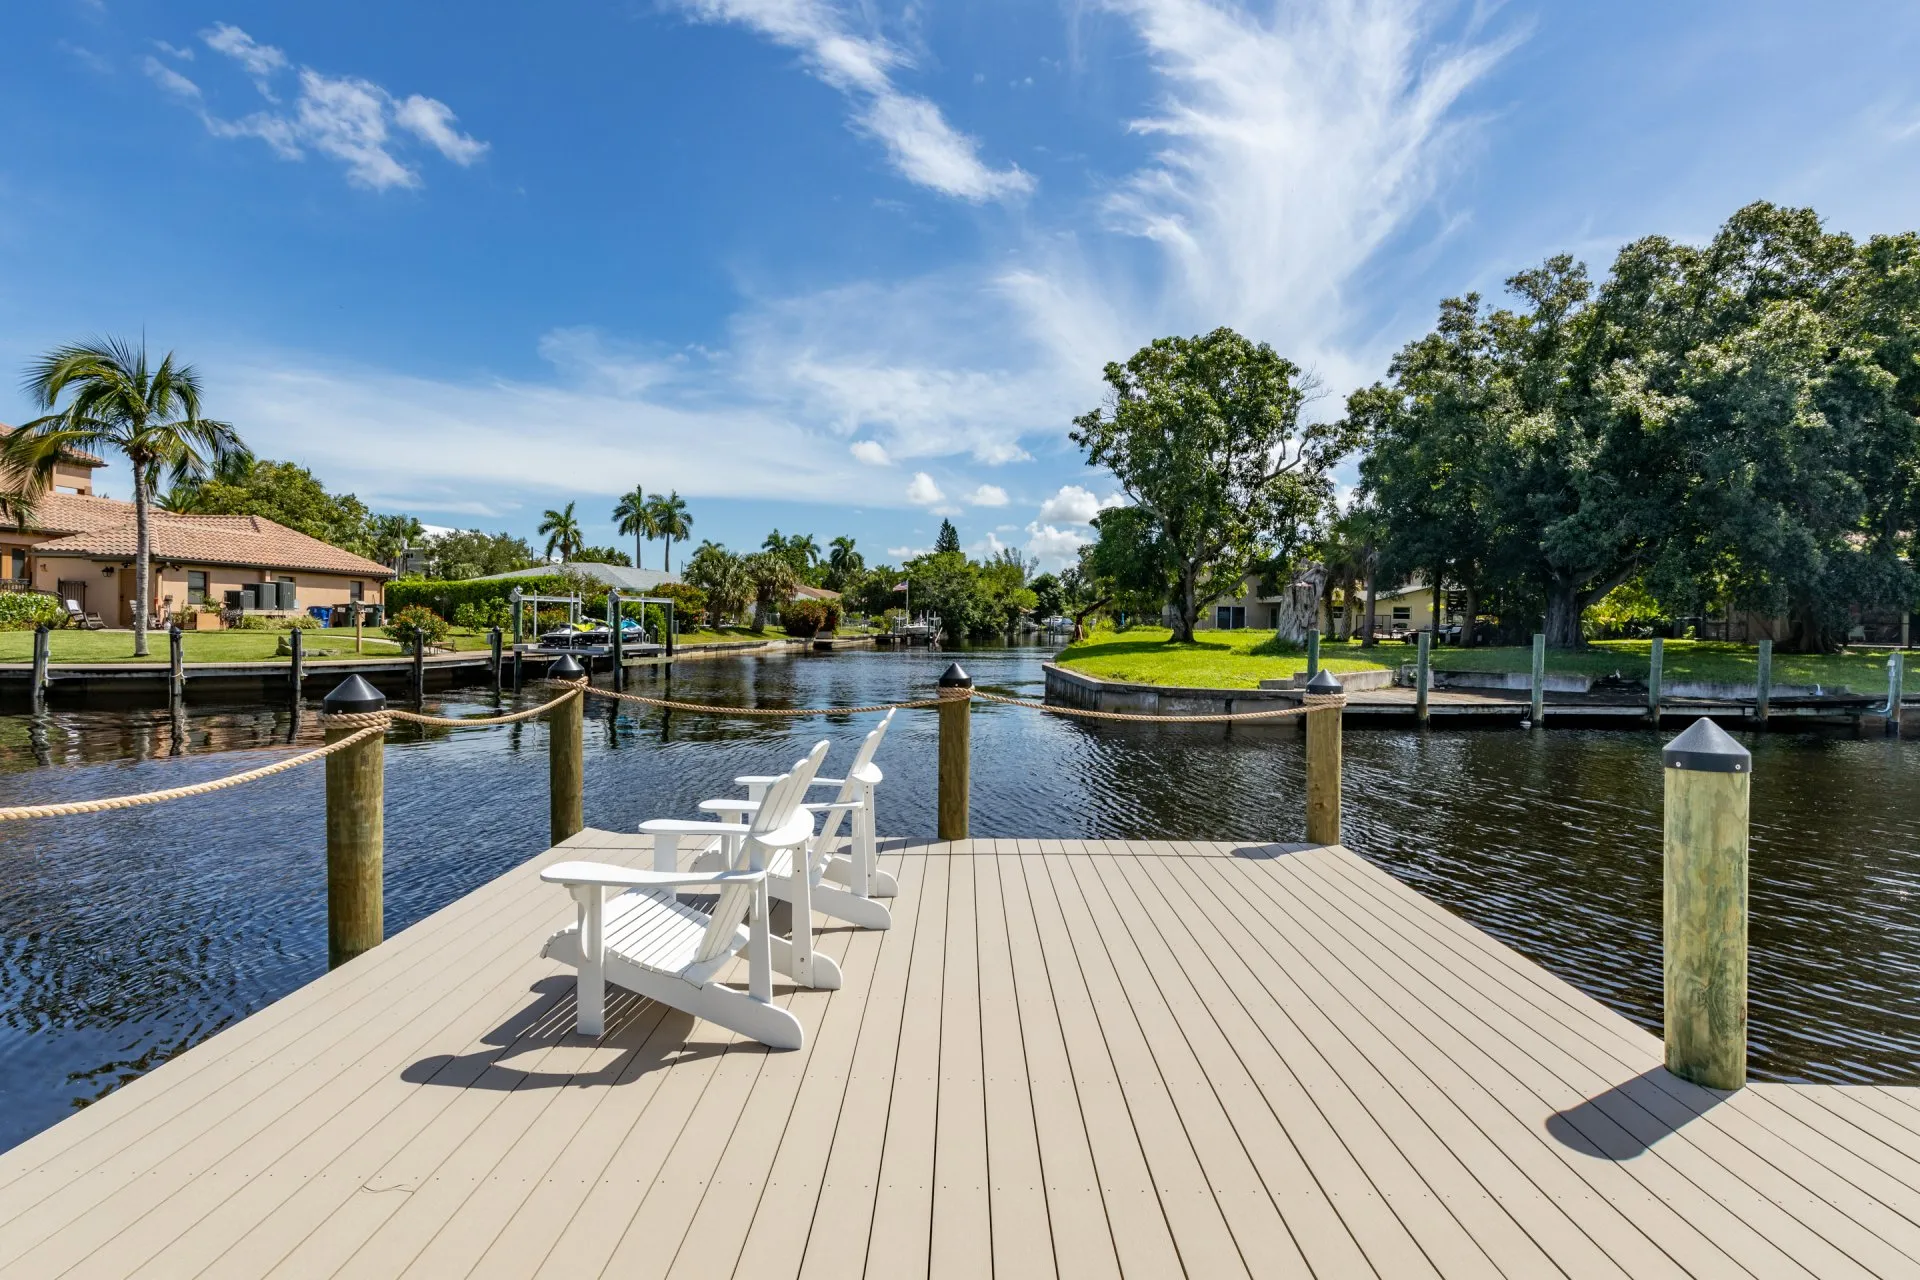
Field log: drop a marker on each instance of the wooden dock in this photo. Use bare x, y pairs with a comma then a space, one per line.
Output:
1094, 1058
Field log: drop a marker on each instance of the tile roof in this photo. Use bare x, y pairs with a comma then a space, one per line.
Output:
247, 541
55, 512
75, 456
804, 592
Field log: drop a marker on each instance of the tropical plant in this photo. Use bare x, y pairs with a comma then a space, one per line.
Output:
562, 532
416, 620
671, 524
25, 610
119, 401
948, 539
633, 516
844, 563
805, 618
723, 576
773, 578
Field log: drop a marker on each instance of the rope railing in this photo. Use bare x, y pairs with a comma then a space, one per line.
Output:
724, 709
355, 719
17, 812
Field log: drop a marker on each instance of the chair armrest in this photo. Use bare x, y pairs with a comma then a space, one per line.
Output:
609, 876
725, 805
869, 774
687, 827
831, 806
767, 780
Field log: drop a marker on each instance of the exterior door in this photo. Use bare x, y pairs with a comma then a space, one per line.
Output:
74, 589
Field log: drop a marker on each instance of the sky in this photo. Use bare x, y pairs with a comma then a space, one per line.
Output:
853, 266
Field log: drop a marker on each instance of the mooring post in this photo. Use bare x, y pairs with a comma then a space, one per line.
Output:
1422, 675
614, 621
669, 636
42, 651
1763, 682
1896, 678
1323, 761
1709, 779
356, 827
1539, 703
176, 666
1313, 653
296, 666
359, 617
566, 759
1656, 661
513, 598
956, 751
419, 665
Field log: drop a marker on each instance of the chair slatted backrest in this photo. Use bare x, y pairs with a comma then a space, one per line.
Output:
850, 787
778, 811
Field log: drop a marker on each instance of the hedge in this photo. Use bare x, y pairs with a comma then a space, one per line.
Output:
445, 597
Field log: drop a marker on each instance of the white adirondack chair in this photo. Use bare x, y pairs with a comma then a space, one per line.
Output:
852, 805
650, 942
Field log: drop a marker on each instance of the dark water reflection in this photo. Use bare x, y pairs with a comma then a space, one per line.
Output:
125, 937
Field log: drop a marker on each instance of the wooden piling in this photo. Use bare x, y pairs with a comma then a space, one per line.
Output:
1896, 682
296, 666
613, 614
1539, 703
1313, 653
42, 658
566, 759
956, 750
1708, 783
1323, 762
493, 647
419, 665
1763, 682
176, 667
1422, 675
1656, 661
356, 828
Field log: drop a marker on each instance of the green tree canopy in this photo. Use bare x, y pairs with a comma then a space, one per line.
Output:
1204, 435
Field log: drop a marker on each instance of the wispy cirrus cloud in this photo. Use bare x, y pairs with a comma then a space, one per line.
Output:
346, 118
920, 142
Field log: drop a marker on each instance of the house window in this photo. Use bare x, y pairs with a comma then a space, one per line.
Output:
1230, 617
20, 570
356, 592
196, 586
1273, 617
1403, 613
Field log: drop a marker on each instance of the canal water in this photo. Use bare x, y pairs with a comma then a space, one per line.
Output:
126, 937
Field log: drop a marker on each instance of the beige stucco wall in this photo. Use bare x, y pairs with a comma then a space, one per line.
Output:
109, 584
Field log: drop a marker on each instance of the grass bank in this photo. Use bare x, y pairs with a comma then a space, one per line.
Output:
1215, 660
1861, 670
198, 646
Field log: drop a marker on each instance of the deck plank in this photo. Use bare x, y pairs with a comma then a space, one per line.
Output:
1067, 1058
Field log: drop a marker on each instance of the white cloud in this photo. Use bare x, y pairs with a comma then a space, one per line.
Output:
182, 52
432, 122
987, 495
1075, 505
1054, 548
907, 553
923, 147
871, 452
922, 491
344, 117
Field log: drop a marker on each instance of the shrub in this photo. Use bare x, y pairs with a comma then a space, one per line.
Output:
25, 610
403, 625
445, 597
269, 622
809, 617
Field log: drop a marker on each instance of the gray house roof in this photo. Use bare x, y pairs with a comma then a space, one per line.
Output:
617, 576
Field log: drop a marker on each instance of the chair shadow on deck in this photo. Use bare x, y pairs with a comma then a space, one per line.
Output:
1268, 852
1632, 1117
641, 1037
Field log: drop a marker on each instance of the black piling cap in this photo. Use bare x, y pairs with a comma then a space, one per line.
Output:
353, 696
568, 668
1705, 747
954, 678
1324, 682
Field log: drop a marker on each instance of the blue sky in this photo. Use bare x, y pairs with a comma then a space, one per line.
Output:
847, 266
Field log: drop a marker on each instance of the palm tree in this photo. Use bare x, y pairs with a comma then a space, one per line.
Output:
634, 516
151, 415
562, 531
774, 578
844, 563
671, 523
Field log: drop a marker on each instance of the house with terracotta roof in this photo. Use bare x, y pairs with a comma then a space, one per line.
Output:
80, 546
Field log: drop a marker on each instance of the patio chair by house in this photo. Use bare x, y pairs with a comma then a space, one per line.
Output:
648, 941
78, 617
858, 881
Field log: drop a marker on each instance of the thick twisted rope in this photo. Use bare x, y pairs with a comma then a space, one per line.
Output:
716, 709
17, 812
1311, 702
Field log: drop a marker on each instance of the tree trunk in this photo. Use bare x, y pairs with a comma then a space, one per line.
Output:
1185, 608
638, 547
1563, 615
1439, 600
1366, 619
1473, 606
1348, 589
142, 549
666, 555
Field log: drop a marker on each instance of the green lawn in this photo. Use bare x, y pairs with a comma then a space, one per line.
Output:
1862, 670
200, 646
1216, 660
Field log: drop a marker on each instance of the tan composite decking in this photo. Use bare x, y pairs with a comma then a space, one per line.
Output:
1096, 1058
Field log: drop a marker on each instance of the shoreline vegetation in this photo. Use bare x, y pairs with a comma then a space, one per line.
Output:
1242, 659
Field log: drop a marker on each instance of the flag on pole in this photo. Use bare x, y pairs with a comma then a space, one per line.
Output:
899, 586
